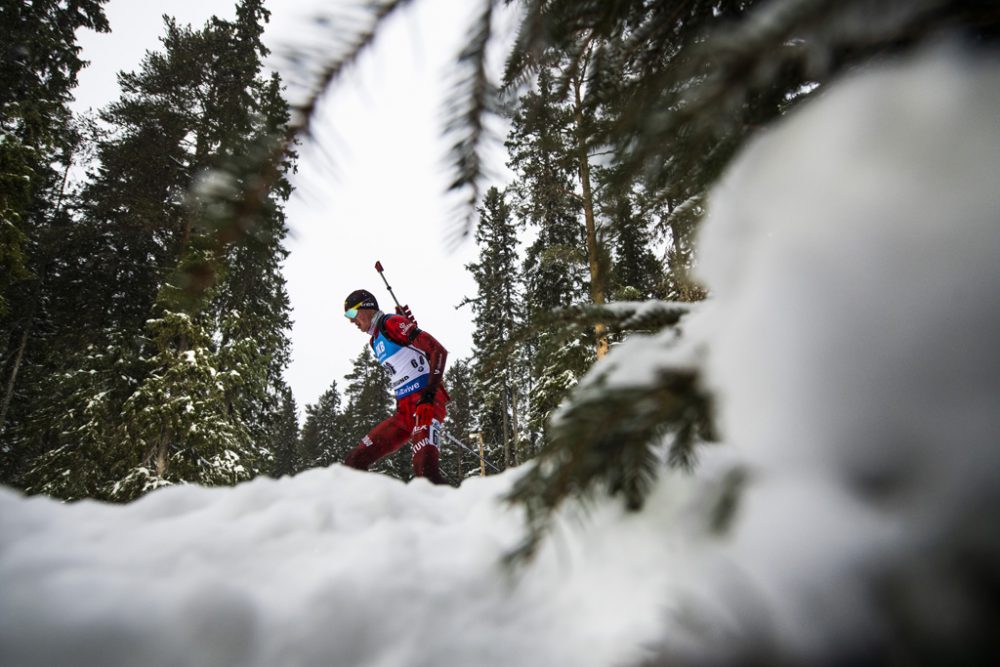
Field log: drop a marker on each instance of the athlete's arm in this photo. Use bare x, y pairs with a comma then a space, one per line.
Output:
404, 332
436, 358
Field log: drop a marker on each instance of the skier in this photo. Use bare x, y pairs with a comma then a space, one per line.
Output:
415, 361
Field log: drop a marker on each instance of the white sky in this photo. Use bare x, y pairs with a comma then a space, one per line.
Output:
384, 199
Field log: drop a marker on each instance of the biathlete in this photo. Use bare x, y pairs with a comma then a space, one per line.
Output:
415, 361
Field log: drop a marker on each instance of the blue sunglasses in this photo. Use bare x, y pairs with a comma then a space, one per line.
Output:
352, 312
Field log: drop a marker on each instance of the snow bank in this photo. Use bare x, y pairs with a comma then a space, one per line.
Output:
332, 567
854, 259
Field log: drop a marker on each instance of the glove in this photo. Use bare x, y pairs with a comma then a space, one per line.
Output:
425, 407
405, 312
424, 414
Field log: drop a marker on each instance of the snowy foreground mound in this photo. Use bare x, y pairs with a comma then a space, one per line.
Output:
333, 567
853, 254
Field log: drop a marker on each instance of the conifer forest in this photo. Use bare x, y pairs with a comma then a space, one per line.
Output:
143, 315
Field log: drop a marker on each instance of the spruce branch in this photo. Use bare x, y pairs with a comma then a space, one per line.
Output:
735, 76
620, 317
609, 434
472, 99
523, 61
609, 439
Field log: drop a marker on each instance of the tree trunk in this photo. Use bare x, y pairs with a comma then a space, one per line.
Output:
508, 458
514, 425
482, 456
161, 456
681, 258
593, 256
15, 368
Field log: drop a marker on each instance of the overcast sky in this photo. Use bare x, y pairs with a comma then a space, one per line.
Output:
383, 199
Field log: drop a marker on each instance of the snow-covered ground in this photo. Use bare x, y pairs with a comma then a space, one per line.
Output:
853, 254
332, 567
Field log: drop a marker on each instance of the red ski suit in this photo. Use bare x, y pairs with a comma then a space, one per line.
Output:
390, 435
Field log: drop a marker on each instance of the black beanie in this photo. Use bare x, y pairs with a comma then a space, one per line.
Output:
360, 298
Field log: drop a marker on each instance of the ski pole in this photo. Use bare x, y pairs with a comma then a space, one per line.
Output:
378, 267
402, 310
470, 450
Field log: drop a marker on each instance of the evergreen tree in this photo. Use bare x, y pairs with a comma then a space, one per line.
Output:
324, 440
41, 63
82, 459
37, 143
252, 347
456, 462
177, 423
555, 267
147, 227
589, 81
187, 113
637, 273
545, 199
498, 310
564, 86
284, 437
307, 451
251, 302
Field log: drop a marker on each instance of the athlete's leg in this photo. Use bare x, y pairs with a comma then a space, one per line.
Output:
426, 443
383, 440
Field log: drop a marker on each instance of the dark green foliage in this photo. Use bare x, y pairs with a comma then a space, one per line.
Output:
498, 309
75, 429
555, 266
563, 328
691, 80
609, 440
325, 437
283, 437
15, 197
610, 431
368, 398
203, 399
621, 318
540, 155
637, 272
178, 424
251, 305
37, 143
185, 117
41, 59
40, 65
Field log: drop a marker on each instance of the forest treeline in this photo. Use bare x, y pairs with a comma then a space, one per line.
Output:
118, 379
143, 316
